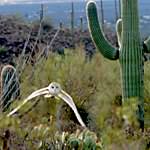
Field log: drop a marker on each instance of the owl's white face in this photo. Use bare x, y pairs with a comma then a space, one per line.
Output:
54, 88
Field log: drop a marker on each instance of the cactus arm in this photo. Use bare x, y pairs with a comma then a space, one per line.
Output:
100, 41
147, 45
119, 31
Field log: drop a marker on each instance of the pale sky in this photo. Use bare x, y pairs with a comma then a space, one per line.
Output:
22, 1
36, 1
33, 1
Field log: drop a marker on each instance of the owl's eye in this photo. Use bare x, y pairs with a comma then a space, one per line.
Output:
52, 87
56, 87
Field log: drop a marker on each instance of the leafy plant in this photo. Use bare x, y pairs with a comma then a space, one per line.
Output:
2, 49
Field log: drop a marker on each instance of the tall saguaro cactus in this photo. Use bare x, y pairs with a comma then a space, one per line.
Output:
130, 53
42, 12
9, 87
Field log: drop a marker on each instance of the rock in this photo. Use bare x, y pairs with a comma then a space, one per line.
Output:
14, 34
3, 41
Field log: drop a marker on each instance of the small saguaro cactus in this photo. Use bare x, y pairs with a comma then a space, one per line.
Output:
72, 18
42, 12
130, 53
72, 21
61, 25
81, 23
116, 10
102, 13
119, 4
9, 87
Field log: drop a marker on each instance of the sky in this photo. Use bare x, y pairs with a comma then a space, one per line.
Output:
32, 1
2, 2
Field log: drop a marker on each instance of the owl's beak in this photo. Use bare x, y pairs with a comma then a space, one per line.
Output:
39, 92
67, 98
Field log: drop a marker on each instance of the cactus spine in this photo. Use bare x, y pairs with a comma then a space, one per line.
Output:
130, 54
9, 86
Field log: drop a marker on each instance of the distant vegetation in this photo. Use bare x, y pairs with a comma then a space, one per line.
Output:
2, 49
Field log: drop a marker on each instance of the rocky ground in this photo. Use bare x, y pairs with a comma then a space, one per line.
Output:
14, 34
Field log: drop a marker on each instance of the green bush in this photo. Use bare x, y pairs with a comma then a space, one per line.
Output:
94, 87
2, 49
47, 24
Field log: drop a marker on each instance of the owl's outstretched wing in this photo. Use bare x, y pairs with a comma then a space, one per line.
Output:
68, 99
40, 92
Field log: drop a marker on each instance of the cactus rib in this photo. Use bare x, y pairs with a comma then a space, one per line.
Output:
100, 41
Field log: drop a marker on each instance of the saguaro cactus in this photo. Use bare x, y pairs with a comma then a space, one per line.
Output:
72, 21
130, 53
102, 13
116, 10
81, 23
42, 12
119, 4
9, 86
72, 18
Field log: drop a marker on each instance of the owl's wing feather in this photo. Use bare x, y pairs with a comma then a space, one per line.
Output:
42, 91
68, 99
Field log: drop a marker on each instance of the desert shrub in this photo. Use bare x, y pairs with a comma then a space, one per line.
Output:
147, 94
95, 88
2, 50
18, 17
87, 83
47, 24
